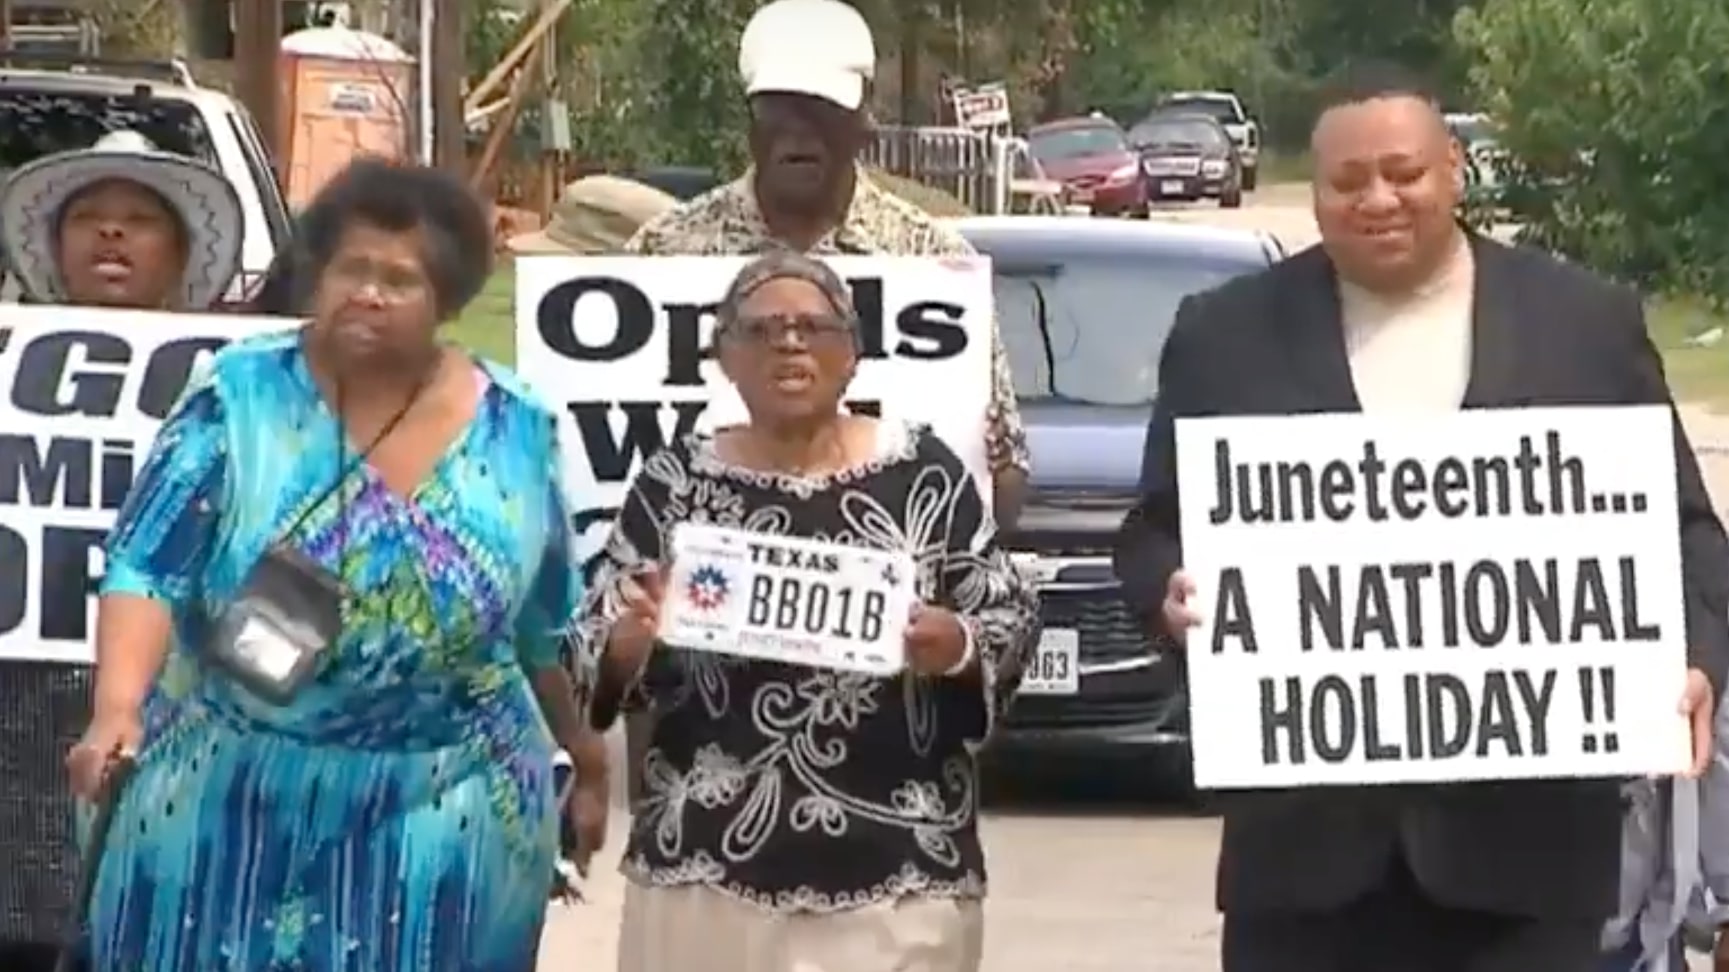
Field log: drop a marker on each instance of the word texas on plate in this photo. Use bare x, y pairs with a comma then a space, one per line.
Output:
788, 599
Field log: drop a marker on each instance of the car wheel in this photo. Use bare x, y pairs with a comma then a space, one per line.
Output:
1249, 180
1231, 199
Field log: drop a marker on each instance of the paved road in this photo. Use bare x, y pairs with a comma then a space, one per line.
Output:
1078, 884
1084, 883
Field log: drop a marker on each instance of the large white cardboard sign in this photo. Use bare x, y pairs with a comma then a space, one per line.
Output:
622, 345
85, 391
1489, 594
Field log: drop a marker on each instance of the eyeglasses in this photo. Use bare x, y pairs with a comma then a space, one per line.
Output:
810, 329
394, 283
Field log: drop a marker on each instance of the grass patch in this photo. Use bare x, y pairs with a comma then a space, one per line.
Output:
937, 202
1284, 167
488, 324
1698, 373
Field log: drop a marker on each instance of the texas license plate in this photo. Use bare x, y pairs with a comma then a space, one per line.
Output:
788, 599
1055, 669
1171, 187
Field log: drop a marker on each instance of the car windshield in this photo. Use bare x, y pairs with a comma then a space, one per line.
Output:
1106, 318
1177, 133
1220, 109
34, 123
1074, 143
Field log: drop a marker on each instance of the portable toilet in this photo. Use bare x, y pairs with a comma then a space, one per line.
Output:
346, 93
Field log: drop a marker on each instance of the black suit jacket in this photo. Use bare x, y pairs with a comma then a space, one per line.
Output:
1545, 333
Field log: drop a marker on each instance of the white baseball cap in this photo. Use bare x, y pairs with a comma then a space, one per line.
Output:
821, 48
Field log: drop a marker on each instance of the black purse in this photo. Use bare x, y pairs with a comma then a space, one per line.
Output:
277, 630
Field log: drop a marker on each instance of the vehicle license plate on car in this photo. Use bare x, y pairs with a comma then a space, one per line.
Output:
1055, 669
1171, 187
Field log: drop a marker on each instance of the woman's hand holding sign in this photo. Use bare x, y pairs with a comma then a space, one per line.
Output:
1176, 612
633, 634
936, 641
1700, 709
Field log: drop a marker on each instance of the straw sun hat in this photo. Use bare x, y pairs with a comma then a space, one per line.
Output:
596, 214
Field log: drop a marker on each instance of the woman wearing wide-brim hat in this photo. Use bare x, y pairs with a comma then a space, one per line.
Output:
121, 224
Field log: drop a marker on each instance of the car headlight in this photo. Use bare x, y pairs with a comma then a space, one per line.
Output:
1125, 173
1213, 168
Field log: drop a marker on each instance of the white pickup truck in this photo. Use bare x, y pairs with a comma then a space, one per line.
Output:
1228, 110
50, 103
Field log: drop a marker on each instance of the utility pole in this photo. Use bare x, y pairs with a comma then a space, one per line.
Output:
5, 26
257, 49
450, 68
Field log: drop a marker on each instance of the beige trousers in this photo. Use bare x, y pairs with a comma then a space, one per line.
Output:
672, 929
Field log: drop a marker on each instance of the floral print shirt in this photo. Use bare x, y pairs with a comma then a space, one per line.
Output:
803, 789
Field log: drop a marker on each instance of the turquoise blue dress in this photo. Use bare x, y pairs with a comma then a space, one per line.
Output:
398, 815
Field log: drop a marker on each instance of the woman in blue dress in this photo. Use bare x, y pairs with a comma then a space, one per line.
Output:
393, 809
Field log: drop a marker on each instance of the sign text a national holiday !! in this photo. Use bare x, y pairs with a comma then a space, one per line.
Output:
1492, 594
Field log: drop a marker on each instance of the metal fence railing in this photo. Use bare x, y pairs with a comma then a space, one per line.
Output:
957, 161
990, 173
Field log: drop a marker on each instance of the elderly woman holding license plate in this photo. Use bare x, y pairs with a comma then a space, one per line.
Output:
814, 609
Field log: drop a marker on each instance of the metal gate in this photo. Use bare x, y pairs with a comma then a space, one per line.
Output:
960, 162
988, 172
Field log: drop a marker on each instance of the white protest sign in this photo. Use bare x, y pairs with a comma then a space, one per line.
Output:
788, 599
86, 390
623, 347
1490, 594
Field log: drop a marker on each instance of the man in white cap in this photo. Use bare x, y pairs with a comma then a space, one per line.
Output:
807, 67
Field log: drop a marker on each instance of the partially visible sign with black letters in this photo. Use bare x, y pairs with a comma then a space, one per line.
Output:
84, 391
624, 347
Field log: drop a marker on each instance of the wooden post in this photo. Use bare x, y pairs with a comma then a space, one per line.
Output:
5, 25
257, 48
450, 67
504, 123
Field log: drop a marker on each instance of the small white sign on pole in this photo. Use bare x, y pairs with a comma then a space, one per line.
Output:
624, 348
1490, 594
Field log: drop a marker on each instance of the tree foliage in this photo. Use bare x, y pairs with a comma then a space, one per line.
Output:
1619, 109
689, 55
1619, 113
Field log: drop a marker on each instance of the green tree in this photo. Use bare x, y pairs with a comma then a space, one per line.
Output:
1618, 112
692, 95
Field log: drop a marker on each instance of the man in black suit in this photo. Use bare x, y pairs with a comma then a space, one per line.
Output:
1400, 309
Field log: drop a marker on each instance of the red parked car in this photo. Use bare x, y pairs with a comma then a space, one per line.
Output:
1092, 158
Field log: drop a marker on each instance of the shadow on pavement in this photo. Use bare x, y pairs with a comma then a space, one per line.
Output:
1082, 788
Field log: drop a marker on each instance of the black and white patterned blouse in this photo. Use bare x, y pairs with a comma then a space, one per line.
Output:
800, 789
